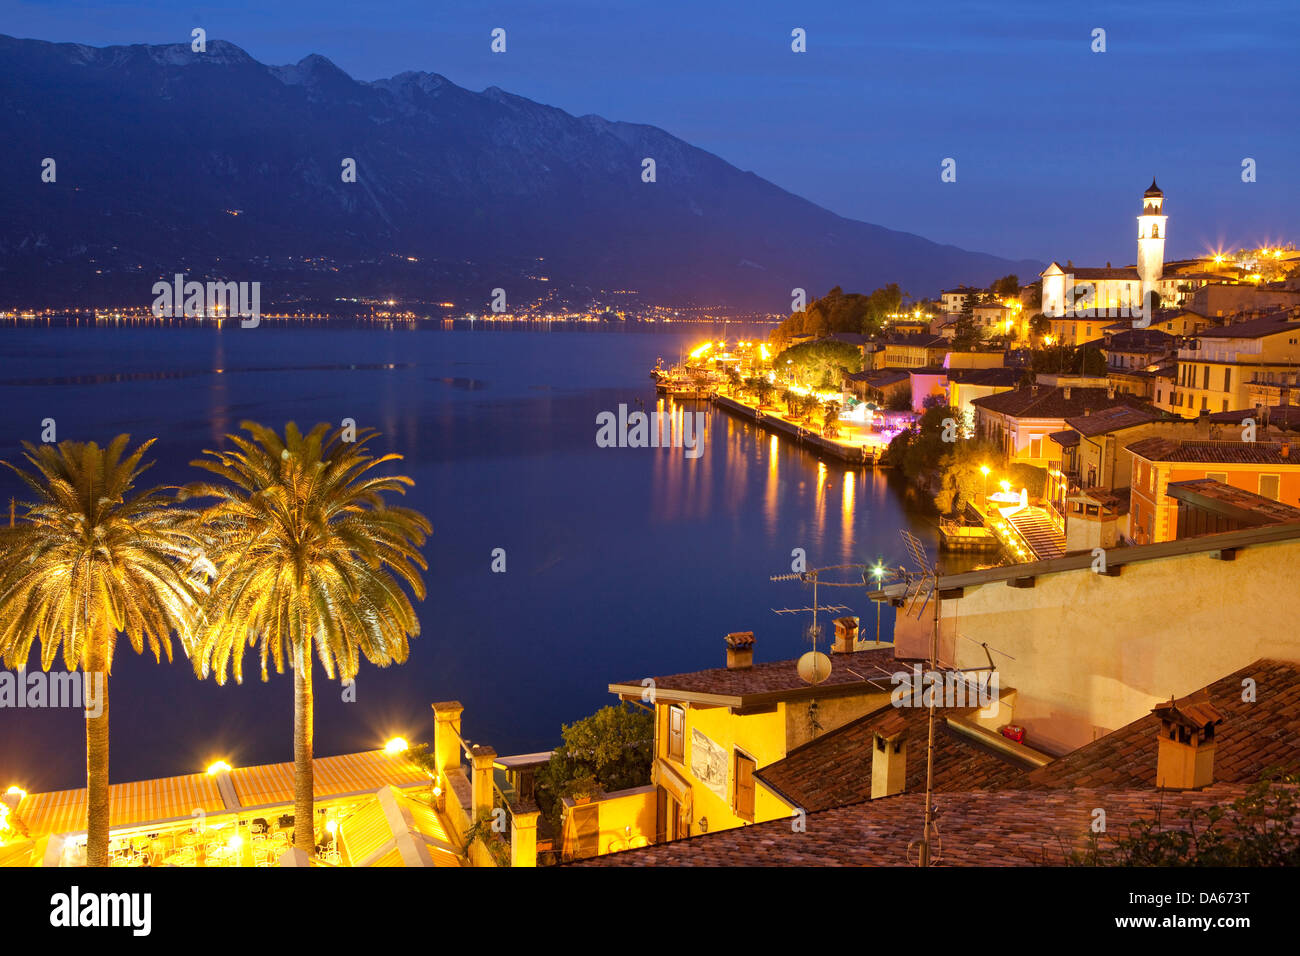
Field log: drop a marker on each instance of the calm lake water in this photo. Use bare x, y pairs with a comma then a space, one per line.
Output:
621, 563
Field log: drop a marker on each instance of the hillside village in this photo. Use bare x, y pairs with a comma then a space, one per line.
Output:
1134, 606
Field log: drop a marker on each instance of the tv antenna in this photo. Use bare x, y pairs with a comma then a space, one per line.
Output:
814, 666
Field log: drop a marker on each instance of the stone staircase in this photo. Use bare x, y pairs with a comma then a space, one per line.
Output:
1035, 527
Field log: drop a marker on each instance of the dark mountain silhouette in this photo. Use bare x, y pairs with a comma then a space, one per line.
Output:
214, 164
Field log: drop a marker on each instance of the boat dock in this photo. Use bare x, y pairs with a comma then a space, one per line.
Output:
851, 453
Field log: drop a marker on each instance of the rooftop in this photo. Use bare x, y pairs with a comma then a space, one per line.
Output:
765, 682
998, 828
1043, 401
1113, 420
169, 798
1274, 323
835, 769
1236, 504
1255, 736
1208, 452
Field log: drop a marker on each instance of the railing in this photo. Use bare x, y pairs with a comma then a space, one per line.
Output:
1057, 519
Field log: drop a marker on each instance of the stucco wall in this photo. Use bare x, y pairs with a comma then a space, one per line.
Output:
1088, 654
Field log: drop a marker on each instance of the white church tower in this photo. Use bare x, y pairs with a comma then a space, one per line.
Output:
1151, 239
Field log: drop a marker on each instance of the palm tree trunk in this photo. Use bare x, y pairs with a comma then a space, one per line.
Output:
304, 816
96, 759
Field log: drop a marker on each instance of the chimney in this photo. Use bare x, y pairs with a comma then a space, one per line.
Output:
1065, 392
1110, 390
1286, 449
889, 758
1185, 758
846, 634
740, 650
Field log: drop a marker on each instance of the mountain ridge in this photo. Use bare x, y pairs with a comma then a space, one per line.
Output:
457, 192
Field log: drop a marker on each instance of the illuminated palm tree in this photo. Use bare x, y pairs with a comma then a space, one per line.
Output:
89, 560
307, 555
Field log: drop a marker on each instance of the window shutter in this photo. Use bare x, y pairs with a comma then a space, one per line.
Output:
745, 787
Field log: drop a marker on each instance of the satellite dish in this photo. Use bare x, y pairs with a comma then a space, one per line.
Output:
814, 667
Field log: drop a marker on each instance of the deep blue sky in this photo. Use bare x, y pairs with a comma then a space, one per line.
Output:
1054, 143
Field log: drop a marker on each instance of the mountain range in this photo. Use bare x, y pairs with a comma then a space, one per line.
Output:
216, 165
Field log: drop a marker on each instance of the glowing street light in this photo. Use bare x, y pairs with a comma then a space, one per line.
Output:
396, 746
878, 572
218, 767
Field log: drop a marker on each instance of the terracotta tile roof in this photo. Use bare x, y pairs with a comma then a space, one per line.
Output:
998, 828
1216, 452
1254, 328
1253, 737
770, 678
1050, 402
1279, 416
1007, 377
1113, 419
1139, 340
918, 339
1090, 272
1209, 494
835, 769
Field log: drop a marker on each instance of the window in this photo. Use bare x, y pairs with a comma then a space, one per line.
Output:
1217, 476
1205, 402
1205, 379
745, 768
1036, 448
1270, 486
676, 733
1227, 381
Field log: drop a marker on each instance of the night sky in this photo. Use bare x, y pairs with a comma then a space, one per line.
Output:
1054, 143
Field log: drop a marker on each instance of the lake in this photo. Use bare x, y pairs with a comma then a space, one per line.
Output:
621, 563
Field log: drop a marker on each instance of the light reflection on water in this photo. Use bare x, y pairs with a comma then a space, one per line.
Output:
622, 563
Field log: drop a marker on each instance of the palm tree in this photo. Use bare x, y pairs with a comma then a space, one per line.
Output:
90, 560
306, 554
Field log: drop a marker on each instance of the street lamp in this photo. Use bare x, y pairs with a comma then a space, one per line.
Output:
878, 572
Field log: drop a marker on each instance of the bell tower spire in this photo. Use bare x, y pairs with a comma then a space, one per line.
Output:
1151, 239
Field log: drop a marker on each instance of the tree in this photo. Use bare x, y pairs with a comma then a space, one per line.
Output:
1039, 326
1007, 286
820, 363
968, 334
900, 399
306, 554
1257, 829
831, 419
612, 749
838, 311
91, 559
961, 480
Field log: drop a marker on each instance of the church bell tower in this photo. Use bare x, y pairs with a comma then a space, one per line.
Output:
1151, 239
